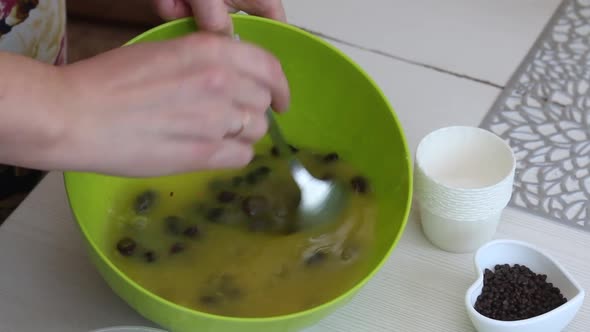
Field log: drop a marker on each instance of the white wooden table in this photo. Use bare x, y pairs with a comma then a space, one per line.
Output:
440, 63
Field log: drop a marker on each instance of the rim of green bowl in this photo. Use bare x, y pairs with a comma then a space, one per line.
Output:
128, 329
322, 306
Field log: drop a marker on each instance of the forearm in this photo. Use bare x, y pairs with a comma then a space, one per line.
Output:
32, 112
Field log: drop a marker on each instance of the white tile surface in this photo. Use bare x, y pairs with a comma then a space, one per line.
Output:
425, 99
480, 38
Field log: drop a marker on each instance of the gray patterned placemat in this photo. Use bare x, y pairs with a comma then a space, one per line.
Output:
544, 114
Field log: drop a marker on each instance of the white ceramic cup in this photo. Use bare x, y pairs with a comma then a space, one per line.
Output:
463, 181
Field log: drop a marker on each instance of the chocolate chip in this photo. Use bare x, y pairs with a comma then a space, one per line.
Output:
145, 201
176, 248
126, 246
359, 184
515, 292
226, 196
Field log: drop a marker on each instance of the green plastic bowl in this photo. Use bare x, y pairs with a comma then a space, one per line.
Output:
335, 106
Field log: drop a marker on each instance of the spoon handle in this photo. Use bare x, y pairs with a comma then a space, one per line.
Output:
275, 132
276, 135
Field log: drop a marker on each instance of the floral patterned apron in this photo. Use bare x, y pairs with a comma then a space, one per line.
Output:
36, 29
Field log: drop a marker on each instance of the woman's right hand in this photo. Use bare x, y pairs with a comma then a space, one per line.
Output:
160, 108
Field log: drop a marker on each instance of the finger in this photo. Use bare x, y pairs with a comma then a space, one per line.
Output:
172, 9
248, 94
220, 59
228, 154
212, 16
263, 67
272, 9
216, 123
212, 121
254, 126
223, 81
173, 157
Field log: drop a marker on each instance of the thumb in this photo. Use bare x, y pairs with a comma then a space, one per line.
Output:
212, 16
172, 9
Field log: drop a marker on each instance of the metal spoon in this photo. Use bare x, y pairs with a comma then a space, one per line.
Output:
321, 200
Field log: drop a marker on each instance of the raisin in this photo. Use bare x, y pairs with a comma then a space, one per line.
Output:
192, 232
327, 177
283, 272
316, 258
255, 205
252, 178
209, 300
236, 181
257, 225
149, 256
173, 224
176, 248
258, 174
359, 184
226, 196
256, 158
214, 214
349, 253
262, 171
145, 201
216, 184
126, 246
331, 157
228, 287
275, 151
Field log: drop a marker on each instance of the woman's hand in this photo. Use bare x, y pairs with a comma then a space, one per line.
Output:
212, 15
149, 109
